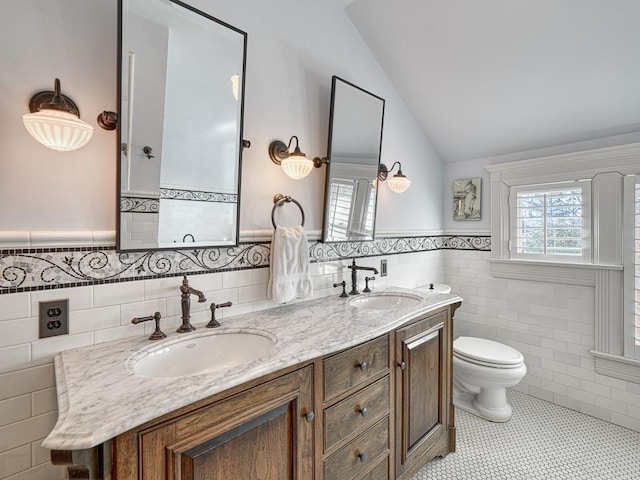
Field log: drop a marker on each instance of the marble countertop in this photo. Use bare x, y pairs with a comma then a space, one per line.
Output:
100, 398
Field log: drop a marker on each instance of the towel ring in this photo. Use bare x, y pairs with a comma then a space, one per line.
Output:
278, 201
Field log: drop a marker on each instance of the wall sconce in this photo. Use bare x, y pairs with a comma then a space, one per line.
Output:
54, 121
294, 164
399, 182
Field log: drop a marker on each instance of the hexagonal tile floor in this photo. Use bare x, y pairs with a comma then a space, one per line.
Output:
541, 441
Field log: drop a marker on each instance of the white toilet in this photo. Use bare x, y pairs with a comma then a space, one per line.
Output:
482, 369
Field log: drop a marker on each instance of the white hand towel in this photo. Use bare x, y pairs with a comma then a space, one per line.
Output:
289, 265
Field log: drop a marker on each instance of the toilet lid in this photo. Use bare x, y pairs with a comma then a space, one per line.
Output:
479, 350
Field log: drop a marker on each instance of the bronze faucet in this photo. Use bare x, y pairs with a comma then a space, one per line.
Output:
213, 323
157, 334
354, 278
185, 301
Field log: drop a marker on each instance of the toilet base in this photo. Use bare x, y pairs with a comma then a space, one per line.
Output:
499, 412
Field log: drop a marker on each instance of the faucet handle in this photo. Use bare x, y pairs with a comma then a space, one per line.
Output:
366, 284
157, 334
213, 322
342, 284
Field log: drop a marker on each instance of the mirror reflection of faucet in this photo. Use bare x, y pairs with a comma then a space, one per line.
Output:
147, 151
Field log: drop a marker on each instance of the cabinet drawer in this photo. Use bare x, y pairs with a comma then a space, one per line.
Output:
356, 412
355, 457
379, 472
354, 366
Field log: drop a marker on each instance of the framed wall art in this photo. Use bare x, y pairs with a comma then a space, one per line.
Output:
466, 199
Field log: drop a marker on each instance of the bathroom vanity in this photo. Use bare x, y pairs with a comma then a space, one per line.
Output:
346, 393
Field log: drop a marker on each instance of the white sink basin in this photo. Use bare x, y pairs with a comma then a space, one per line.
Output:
205, 353
386, 301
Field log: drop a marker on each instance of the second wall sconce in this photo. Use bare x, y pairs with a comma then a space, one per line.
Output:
54, 121
399, 182
294, 164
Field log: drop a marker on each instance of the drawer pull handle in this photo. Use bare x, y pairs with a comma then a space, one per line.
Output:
362, 456
363, 411
364, 366
309, 417
402, 365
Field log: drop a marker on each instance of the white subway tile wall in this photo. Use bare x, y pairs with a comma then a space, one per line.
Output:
103, 313
139, 230
552, 325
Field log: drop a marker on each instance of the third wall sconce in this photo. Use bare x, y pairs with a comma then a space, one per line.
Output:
399, 182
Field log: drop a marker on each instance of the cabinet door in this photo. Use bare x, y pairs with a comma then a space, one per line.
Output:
261, 433
422, 390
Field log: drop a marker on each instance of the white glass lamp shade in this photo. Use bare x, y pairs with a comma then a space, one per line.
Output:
58, 130
297, 166
235, 88
398, 183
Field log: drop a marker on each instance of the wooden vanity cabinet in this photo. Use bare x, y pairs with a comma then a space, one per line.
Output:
424, 423
356, 425
382, 410
264, 432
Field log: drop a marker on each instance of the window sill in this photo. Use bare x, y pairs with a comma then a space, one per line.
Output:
579, 274
616, 366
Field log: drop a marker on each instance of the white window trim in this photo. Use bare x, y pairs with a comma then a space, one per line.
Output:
607, 167
629, 192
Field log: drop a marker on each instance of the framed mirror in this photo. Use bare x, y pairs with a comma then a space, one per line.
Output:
355, 141
181, 97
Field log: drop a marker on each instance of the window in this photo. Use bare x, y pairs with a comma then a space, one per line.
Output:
340, 198
551, 222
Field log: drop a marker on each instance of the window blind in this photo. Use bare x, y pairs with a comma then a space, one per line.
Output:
549, 221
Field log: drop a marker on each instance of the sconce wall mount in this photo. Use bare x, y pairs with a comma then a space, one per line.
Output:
295, 164
399, 182
54, 121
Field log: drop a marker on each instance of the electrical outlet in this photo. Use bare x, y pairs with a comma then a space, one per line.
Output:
383, 268
54, 318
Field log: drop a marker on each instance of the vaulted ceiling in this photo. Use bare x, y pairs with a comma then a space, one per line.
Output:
491, 77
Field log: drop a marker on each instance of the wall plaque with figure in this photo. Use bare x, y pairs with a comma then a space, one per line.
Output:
466, 199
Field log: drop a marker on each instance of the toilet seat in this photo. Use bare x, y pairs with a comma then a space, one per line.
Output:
487, 353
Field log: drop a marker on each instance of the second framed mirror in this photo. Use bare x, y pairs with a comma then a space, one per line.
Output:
355, 142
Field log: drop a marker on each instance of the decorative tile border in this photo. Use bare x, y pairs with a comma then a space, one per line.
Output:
24, 270
322, 252
139, 205
198, 195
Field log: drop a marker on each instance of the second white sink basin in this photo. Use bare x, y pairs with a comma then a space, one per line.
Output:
386, 301
195, 355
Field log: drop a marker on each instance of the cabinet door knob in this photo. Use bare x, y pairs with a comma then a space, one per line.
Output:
362, 456
363, 411
402, 365
310, 416
363, 366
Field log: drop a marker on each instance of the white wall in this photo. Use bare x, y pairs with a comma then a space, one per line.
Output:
102, 313
475, 168
294, 47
